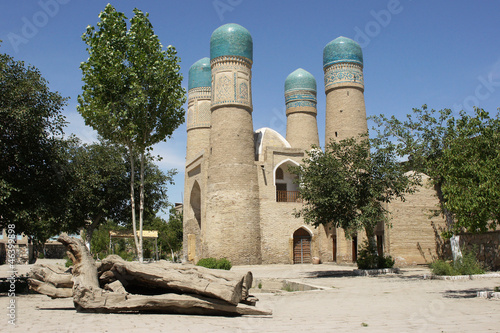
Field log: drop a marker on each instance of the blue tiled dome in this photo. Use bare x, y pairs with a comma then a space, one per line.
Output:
300, 79
342, 49
231, 39
200, 74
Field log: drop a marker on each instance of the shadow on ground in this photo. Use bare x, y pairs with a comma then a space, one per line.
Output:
468, 293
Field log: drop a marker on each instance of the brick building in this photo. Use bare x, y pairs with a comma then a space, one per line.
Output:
239, 196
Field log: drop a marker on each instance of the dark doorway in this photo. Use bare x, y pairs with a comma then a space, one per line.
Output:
301, 247
354, 248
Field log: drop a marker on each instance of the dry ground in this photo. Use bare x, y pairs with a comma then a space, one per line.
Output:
390, 303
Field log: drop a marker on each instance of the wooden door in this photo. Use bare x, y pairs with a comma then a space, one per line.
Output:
301, 247
334, 239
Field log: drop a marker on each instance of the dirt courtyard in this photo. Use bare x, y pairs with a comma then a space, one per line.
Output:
402, 302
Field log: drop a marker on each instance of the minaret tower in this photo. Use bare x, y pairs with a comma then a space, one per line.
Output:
232, 219
197, 150
344, 87
198, 115
300, 99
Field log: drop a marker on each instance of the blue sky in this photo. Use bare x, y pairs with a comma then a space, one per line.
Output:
445, 54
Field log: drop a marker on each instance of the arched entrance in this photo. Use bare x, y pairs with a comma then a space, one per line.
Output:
285, 182
301, 246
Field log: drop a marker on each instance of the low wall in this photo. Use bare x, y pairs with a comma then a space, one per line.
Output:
487, 247
54, 251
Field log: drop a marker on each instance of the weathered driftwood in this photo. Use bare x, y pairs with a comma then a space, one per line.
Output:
170, 288
163, 277
53, 281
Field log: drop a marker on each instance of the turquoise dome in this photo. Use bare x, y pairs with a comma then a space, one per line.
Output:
300, 79
342, 49
200, 74
231, 39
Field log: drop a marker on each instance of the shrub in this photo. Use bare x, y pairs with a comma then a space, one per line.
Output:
466, 265
214, 263
441, 267
224, 264
368, 258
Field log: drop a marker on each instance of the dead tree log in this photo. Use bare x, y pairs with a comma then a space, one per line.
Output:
163, 277
53, 281
191, 291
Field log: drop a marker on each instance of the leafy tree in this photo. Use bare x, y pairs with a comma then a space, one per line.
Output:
98, 185
32, 179
347, 185
132, 93
471, 167
169, 233
460, 155
98, 188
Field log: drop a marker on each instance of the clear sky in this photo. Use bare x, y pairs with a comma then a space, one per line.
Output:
445, 54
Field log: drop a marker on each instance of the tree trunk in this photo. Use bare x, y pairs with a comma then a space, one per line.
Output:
132, 200
372, 243
141, 208
90, 231
53, 281
192, 289
455, 250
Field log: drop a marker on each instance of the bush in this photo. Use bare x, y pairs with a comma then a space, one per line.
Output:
224, 264
368, 258
441, 267
467, 265
214, 263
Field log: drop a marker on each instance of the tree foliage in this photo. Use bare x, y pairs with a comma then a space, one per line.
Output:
100, 175
471, 168
347, 185
132, 93
461, 156
32, 180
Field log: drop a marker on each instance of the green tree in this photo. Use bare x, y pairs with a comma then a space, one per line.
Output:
99, 174
347, 185
98, 185
460, 155
471, 168
32, 179
169, 233
132, 93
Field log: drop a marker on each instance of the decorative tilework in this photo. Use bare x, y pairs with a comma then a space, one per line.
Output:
223, 88
243, 90
199, 114
236, 88
199, 93
343, 73
301, 104
300, 98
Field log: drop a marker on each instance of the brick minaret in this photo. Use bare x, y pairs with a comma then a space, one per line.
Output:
233, 222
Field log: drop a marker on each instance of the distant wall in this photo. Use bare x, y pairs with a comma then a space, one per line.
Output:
415, 238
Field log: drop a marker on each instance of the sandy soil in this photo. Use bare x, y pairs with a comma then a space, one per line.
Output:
390, 303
